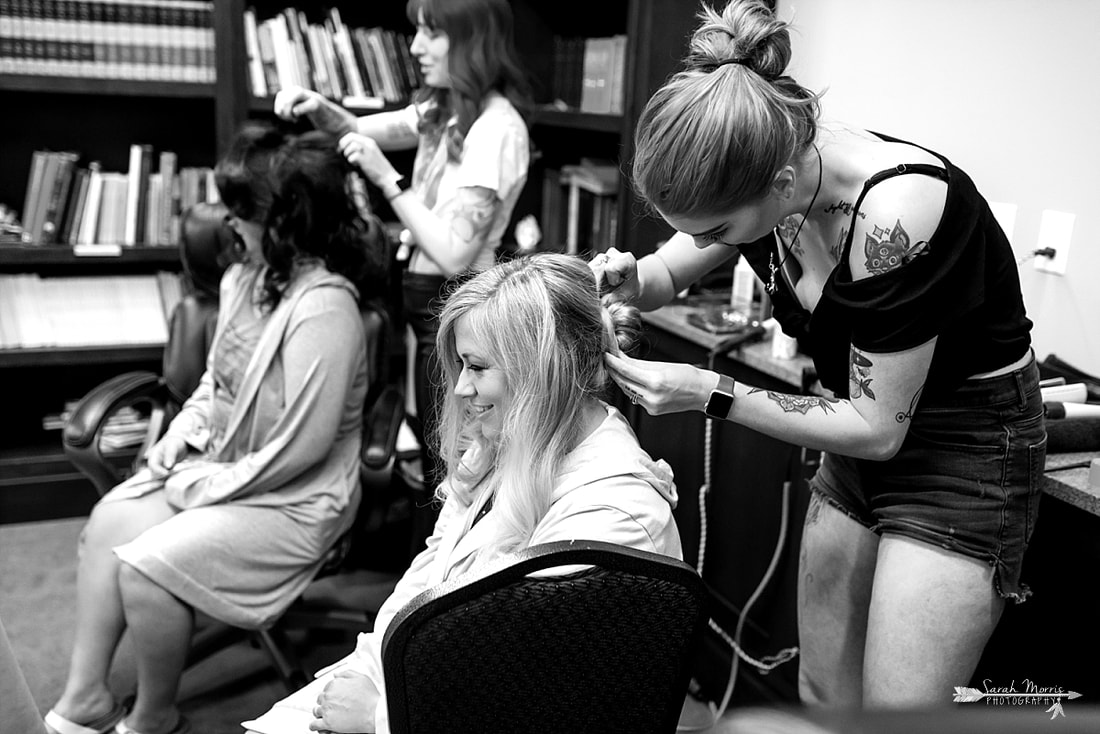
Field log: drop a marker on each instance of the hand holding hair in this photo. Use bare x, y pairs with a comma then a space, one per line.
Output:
661, 387
616, 272
363, 153
294, 102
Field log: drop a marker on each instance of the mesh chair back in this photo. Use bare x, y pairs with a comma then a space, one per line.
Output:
604, 650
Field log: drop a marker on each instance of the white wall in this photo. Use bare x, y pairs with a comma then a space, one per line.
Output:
1006, 89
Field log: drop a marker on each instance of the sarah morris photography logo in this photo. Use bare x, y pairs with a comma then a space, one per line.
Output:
1029, 693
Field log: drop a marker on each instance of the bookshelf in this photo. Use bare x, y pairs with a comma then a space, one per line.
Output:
656, 34
196, 118
68, 87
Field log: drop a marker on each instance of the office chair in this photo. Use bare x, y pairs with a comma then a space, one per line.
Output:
206, 249
607, 649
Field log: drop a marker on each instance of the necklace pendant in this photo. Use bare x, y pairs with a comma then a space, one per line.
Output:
770, 287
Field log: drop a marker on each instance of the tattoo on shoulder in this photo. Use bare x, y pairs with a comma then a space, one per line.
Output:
859, 375
799, 403
887, 248
902, 417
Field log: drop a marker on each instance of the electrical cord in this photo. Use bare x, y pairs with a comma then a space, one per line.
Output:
1041, 252
770, 662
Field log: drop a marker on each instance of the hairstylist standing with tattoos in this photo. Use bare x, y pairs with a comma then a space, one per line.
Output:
886, 263
471, 163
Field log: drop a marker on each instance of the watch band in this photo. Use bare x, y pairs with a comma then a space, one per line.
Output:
403, 184
721, 399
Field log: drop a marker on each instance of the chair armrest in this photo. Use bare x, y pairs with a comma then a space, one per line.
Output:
380, 428
80, 437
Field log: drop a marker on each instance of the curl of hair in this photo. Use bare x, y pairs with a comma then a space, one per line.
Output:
300, 192
482, 58
714, 136
540, 320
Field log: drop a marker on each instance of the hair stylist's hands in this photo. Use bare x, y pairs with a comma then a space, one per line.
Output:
294, 102
346, 704
165, 454
363, 152
661, 387
616, 272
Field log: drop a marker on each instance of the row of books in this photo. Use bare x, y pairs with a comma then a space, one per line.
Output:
588, 73
361, 66
152, 40
580, 212
66, 204
82, 311
124, 428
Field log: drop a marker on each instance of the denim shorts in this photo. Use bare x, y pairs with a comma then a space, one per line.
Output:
967, 478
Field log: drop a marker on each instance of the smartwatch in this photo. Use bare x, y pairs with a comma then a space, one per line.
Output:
721, 399
403, 184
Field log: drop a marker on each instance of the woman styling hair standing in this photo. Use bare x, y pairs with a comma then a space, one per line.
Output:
886, 263
472, 154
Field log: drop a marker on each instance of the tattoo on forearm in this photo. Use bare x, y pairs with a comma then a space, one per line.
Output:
902, 417
859, 376
887, 248
799, 403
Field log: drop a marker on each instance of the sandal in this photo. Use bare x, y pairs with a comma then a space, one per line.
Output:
58, 724
183, 726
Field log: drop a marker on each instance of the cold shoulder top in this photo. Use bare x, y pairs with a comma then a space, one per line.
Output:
965, 290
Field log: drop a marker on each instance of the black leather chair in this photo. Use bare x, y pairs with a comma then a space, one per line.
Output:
206, 248
607, 649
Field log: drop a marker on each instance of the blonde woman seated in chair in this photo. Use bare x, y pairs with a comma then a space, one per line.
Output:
533, 455
258, 475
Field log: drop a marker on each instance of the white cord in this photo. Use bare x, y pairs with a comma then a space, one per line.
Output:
769, 662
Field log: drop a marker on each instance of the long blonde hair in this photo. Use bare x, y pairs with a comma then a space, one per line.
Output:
543, 325
714, 136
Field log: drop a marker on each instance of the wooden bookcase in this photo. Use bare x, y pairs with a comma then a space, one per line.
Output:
656, 30
101, 118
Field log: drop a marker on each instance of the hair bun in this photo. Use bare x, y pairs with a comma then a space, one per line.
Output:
745, 33
624, 325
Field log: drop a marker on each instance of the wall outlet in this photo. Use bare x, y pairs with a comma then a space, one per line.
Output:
1056, 231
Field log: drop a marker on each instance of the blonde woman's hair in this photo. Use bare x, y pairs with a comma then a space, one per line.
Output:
543, 326
714, 136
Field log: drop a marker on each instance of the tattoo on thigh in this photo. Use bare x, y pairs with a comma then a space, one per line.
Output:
813, 512
799, 403
902, 417
859, 375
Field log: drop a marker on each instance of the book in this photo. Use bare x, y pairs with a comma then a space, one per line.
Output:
256, 77
75, 208
34, 189
53, 217
89, 221
137, 192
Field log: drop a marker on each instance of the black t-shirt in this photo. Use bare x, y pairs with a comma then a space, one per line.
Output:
964, 290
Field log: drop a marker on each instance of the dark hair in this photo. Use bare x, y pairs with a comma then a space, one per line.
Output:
714, 136
482, 58
298, 188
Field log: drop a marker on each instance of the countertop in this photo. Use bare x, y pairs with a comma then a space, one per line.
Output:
1066, 477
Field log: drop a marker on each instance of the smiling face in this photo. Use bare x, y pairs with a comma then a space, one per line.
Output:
430, 47
481, 384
